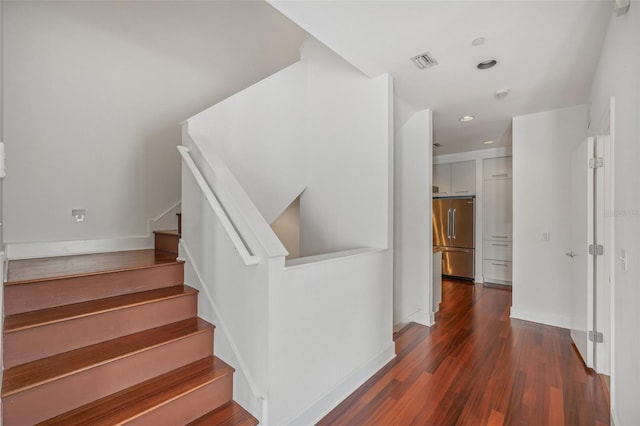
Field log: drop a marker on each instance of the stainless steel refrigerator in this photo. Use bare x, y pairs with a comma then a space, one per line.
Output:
453, 233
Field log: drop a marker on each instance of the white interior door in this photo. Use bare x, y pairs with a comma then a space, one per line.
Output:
603, 233
581, 236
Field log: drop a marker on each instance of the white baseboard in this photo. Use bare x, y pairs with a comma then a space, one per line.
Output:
311, 415
422, 317
542, 318
67, 248
614, 418
419, 317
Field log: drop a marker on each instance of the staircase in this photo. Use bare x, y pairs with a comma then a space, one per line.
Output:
112, 338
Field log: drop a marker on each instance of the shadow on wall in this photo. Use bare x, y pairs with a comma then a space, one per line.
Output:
287, 228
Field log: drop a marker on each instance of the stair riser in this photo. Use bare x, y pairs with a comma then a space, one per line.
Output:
27, 297
51, 399
168, 243
190, 406
39, 342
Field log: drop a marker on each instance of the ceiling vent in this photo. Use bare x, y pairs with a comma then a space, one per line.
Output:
424, 61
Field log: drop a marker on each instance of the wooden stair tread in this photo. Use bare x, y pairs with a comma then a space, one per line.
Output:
51, 268
21, 321
33, 373
170, 232
130, 403
229, 414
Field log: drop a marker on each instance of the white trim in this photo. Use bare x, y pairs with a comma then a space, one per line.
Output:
614, 417
422, 317
66, 248
241, 247
419, 316
329, 257
561, 321
326, 403
5, 269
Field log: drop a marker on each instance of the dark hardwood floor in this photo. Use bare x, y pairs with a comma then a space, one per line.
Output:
476, 366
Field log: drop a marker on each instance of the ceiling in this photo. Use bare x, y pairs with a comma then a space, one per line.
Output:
547, 53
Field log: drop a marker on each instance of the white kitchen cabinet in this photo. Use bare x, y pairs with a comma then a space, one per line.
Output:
497, 226
497, 250
497, 168
497, 271
497, 217
442, 179
463, 178
455, 179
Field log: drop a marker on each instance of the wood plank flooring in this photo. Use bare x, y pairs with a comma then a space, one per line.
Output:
476, 366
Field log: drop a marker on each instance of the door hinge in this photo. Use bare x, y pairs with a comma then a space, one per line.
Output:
596, 250
596, 162
596, 336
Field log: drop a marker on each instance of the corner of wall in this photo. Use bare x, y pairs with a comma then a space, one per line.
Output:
412, 211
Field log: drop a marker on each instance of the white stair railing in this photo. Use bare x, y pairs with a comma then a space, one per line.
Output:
247, 256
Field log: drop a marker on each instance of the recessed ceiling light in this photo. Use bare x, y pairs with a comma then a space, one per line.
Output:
485, 65
465, 118
478, 41
488, 142
501, 93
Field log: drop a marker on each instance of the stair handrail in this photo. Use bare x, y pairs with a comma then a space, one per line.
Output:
247, 256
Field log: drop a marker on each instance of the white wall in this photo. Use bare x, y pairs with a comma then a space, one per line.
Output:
477, 156
330, 329
319, 126
95, 91
618, 75
257, 133
232, 295
2, 253
346, 203
413, 228
542, 147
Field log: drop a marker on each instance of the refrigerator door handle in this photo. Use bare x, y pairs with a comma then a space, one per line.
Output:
455, 250
454, 224
449, 223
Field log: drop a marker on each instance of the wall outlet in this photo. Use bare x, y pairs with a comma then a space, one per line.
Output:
78, 214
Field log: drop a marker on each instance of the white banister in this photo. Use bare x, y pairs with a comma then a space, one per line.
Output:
245, 253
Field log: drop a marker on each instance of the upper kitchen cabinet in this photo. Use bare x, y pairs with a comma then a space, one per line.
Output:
455, 179
497, 168
442, 180
463, 178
